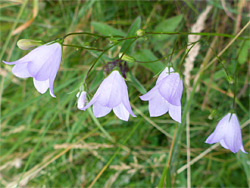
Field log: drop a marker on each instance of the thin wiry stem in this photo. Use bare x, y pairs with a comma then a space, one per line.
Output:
91, 34
188, 150
86, 48
93, 64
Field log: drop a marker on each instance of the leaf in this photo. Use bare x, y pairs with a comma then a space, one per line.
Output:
105, 29
243, 52
137, 83
97, 80
136, 25
244, 160
147, 55
168, 25
219, 75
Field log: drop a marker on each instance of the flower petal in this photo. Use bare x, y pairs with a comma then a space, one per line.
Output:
99, 110
121, 112
150, 94
216, 136
219, 131
233, 137
175, 112
93, 100
42, 55
158, 105
111, 90
54, 70
125, 101
171, 89
223, 144
24, 59
164, 74
41, 86
21, 71
242, 149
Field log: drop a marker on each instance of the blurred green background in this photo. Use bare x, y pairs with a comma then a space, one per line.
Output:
48, 142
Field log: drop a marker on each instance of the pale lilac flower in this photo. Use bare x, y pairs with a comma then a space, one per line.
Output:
112, 94
166, 95
81, 101
228, 133
42, 64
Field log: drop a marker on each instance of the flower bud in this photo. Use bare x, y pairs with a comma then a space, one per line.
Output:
86, 44
27, 44
113, 40
140, 32
212, 114
127, 58
81, 99
230, 79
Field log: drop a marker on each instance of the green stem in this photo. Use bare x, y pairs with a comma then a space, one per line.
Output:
218, 58
184, 57
202, 34
91, 34
87, 48
235, 86
92, 66
127, 48
164, 57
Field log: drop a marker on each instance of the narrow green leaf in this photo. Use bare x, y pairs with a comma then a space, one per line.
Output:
147, 55
98, 79
244, 160
243, 52
136, 25
105, 29
137, 83
168, 25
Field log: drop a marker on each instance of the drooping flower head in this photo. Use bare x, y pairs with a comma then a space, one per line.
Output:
112, 94
166, 95
42, 64
228, 133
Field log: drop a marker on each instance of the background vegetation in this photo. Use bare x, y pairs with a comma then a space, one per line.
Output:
47, 141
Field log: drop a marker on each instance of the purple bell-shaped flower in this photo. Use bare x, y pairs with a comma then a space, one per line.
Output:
112, 94
228, 133
42, 63
165, 96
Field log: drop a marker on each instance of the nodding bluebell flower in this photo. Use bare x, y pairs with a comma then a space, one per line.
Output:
228, 133
42, 63
81, 101
112, 94
166, 95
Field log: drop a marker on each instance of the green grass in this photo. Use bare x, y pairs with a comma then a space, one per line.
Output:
61, 146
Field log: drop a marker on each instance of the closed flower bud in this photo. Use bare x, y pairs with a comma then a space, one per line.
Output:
230, 79
81, 101
27, 44
140, 32
127, 58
